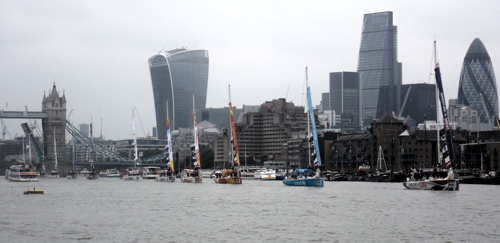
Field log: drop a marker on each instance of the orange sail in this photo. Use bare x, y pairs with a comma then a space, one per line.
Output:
170, 156
236, 156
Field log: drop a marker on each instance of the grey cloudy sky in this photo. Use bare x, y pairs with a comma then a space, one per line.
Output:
97, 51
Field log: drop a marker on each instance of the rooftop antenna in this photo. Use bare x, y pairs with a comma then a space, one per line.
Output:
162, 49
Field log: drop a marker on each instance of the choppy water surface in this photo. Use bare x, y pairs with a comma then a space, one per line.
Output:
112, 210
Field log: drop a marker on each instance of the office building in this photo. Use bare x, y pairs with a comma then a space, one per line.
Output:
325, 101
177, 76
218, 116
477, 87
378, 67
345, 98
273, 129
418, 102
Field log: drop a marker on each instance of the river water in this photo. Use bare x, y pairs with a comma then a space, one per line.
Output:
112, 210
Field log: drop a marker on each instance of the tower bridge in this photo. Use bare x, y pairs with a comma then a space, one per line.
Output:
53, 142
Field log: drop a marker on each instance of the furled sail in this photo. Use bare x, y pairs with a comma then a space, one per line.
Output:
448, 152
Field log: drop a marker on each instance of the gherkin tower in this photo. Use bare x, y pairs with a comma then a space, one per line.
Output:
477, 79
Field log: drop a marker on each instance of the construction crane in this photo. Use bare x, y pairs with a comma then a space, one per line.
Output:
286, 96
5, 131
143, 131
404, 103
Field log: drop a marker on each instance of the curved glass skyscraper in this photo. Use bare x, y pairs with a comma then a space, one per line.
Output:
477, 79
176, 76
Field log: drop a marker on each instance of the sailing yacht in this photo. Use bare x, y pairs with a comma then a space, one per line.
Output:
22, 173
72, 174
193, 175
380, 174
54, 174
93, 173
231, 176
448, 153
133, 174
305, 177
168, 175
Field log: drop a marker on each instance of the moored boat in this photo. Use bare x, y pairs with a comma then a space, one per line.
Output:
22, 173
110, 173
132, 175
166, 175
191, 176
72, 175
265, 174
150, 172
54, 174
93, 175
84, 172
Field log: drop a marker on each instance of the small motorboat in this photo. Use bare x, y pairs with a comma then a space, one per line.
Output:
34, 191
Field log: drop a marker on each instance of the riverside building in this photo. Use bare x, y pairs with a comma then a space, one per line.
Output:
277, 131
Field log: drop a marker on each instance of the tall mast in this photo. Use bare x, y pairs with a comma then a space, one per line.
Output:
167, 109
196, 155
136, 157
317, 159
24, 150
438, 145
448, 152
169, 157
55, 148
29, 148
235, 157
309, 135
91, 144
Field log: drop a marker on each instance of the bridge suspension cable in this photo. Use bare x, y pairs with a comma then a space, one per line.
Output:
106, 153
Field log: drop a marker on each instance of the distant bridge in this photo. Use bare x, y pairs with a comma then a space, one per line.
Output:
126, 164
23, 114
96, 149
102, 152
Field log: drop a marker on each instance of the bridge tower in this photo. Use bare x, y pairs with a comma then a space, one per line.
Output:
54, 129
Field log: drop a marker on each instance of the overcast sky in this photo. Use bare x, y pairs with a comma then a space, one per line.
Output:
97, 51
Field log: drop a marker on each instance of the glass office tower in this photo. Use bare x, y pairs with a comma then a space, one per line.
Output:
420, 102
345, 98
378, 67
477, 79
176, 76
